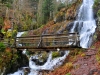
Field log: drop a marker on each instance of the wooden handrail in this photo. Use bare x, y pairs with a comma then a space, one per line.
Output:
48, 35
48, 41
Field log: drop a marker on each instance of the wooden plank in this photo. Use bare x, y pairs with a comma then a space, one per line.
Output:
29, 41
46, 36
55, 49
28, 38
48, 48
49, 37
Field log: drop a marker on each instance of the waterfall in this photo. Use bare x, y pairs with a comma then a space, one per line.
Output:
85, 24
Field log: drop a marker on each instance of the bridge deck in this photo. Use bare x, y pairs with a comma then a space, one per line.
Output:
48, 42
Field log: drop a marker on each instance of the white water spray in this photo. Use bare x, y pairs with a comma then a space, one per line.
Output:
85, 24
51, 64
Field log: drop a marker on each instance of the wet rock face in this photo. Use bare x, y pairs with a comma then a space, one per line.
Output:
22, 60
40, 58
39, 61
70, 25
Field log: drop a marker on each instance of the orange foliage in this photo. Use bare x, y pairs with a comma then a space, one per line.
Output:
7, 24
60, 71
54, 28
48, 25
8, 49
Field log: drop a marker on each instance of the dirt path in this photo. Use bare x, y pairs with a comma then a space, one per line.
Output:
86, 65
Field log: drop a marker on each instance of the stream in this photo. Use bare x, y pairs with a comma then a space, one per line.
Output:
85, 25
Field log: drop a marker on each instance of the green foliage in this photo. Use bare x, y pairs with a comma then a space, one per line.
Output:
25, 34
55, 54
68, 74
2, 47
25, 22
1, 20
96, 3
47, 9
9, 34
8, 5
62, 5
14, 33
98, 13
6, 1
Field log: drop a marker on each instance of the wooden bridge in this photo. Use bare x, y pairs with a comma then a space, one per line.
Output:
48, 42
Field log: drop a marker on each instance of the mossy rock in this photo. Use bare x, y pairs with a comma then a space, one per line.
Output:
55, 54
40, 57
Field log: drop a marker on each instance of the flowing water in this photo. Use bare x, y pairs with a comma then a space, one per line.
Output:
51, 64
85, 25
19, 34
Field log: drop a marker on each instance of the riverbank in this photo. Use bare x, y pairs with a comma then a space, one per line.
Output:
84, 63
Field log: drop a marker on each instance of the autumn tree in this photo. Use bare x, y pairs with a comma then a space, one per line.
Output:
22, 14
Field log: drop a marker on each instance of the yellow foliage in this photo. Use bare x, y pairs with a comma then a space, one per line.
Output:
9, 34
69, 65
83, 54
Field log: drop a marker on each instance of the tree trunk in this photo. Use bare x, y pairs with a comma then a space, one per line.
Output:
40, 15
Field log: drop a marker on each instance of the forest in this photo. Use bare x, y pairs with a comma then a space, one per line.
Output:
49, 17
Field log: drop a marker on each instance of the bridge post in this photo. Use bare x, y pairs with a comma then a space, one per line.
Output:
78, 40
40, 43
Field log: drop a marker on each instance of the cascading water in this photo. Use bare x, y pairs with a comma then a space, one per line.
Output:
49, 65
85, 24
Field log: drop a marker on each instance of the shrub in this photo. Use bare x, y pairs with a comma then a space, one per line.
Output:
96, 3
2, 47
69, 65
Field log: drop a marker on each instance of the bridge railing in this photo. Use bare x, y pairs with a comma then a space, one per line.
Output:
47, 41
